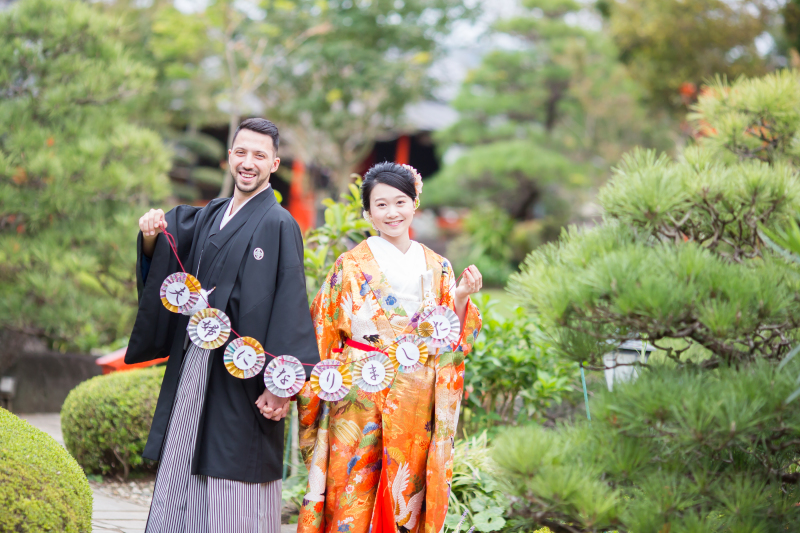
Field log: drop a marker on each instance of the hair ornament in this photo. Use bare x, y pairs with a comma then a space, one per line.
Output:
417, 180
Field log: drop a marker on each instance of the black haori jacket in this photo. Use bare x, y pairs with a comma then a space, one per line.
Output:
263, 293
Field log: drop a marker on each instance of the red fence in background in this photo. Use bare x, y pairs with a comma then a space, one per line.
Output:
115, 362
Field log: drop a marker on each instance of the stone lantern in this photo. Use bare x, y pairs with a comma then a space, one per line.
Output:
620, 365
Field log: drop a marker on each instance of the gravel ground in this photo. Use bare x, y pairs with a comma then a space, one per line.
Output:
139, 491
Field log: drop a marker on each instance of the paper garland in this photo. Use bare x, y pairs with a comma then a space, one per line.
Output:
284, 376
374, 372
244, 357
330, 380
440, 327
209, 328
180, 292
408, 353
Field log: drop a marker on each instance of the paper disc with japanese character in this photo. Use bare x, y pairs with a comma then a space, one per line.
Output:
209, 328
244, 357
440, 327
284, 376
330, 380
408, 353
374, 372
180, 292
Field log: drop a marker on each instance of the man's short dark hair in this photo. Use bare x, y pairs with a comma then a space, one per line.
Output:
260, 125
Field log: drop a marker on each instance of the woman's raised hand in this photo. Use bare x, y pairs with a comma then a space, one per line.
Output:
471, 282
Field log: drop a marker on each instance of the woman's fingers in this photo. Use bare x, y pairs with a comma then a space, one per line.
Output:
476, 274
472, 280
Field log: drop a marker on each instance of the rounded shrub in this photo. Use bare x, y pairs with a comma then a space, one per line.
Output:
105, 420
42, 488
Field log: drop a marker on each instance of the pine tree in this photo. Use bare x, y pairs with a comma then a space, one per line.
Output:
703, 440
76, 172
545, 115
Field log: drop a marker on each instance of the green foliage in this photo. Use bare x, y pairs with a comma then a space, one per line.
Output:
344, 225
75, 171
106, 420
544, 116
671, 42
486, 244
512, 375
473, 488
356, 79
791, 23
679, 451
679, 255
752, 119
42, 488
333, 74
707, 442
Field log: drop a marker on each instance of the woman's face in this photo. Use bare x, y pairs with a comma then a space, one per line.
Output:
391, 209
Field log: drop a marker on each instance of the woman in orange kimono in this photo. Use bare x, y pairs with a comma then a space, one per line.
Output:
382, 461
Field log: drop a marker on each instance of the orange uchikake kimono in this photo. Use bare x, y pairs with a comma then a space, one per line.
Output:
400, 438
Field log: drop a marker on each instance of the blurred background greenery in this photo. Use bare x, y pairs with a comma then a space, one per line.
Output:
513, 110
661, 133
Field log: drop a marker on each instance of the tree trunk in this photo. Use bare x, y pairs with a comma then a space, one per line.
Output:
227, 182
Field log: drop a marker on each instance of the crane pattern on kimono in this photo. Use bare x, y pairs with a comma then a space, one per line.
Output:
406, 514
362, 323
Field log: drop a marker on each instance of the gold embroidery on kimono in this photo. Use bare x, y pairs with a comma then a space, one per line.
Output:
408, 428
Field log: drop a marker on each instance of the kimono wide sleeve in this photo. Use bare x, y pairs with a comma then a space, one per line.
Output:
448, 392
155, 325
331, 326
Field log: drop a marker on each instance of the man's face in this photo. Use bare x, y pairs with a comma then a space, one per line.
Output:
251, 161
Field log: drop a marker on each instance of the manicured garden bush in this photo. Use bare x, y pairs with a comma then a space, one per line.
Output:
106, 420
42, 488
513, 375
707, 440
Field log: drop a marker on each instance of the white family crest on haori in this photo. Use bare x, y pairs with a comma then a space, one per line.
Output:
405, 514
258, 253
361, 324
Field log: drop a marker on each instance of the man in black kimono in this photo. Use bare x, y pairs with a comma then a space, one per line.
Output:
219, 439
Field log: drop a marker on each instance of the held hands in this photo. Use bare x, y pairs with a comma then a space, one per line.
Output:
151, 224
273, 407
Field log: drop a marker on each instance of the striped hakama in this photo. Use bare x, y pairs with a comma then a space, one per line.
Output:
184, 503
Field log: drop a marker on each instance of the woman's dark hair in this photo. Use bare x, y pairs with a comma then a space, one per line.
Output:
391, 174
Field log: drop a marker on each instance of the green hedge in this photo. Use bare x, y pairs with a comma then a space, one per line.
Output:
42, 488
105, 420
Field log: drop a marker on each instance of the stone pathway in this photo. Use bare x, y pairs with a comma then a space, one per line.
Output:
108, 514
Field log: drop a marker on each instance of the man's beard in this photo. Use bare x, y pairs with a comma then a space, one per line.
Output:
259, 181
